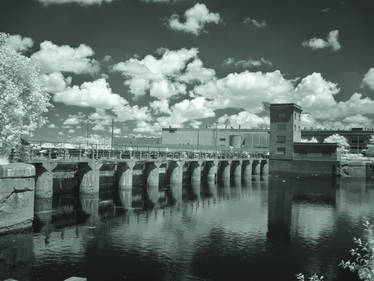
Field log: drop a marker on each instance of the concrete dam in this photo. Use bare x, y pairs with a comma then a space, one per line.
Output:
140, 182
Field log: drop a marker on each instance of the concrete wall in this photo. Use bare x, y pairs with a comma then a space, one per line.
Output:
355, 169
315, 156
303, 167
17, 187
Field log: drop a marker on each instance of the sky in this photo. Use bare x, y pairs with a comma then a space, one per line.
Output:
150, 64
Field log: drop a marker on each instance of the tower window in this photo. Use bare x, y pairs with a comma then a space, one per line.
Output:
281, 150
281, 139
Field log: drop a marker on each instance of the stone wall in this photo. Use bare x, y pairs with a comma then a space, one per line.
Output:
17, 186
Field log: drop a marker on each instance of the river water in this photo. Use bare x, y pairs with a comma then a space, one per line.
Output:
264, 229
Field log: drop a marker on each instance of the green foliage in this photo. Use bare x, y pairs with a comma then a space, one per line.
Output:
371, 140
23, 100
363, 255
314, 277
341, 141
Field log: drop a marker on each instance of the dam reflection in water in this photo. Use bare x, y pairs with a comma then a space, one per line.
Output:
268, 228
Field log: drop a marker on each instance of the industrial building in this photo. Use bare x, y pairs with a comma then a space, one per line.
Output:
254, 140
288, 155
358, 138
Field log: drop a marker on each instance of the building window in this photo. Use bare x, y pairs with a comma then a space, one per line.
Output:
281, 150
282, 127
281, 139
281, 115
222, 139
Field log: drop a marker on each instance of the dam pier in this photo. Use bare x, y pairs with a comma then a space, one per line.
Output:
140, 180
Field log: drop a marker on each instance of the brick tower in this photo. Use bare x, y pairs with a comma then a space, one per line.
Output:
285, 129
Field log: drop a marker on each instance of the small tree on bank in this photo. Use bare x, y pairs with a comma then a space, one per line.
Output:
362, 257
23, 100
370, 147
342, 142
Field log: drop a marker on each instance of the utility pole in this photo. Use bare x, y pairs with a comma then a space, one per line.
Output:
111, 144
87, 132
198, 138
216, 137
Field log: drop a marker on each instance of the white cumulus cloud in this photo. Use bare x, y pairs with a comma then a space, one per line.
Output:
369, 78
195, 19
19, 43
187, 110
247, 90
74, 119
55, 82
244, 119
54, 58
164, 76
331, 41
246, 63
96, 94
254, 22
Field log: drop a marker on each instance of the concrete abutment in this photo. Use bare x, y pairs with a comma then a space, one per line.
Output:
151, 193
225, 170
44, 179
125, 183
89, 177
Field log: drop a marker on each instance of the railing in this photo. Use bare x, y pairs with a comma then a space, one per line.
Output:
78, 152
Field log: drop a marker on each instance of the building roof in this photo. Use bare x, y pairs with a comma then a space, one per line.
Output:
283, 105
319, 144
352, 131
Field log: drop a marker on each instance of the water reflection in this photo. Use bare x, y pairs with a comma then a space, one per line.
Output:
195, 190
268, 227
16, 256
293, 200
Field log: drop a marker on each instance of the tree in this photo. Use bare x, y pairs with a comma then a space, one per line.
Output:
371, 140
362, 257
312, 140
23, 100
342, 142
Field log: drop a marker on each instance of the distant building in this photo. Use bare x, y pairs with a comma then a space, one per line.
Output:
288, 155
358, 138
250, 139
134, 141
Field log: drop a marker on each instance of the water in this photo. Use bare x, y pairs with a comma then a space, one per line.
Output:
267, 229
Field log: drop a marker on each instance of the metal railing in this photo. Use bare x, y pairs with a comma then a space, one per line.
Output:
81, 152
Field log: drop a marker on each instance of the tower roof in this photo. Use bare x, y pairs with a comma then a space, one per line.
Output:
294, 106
